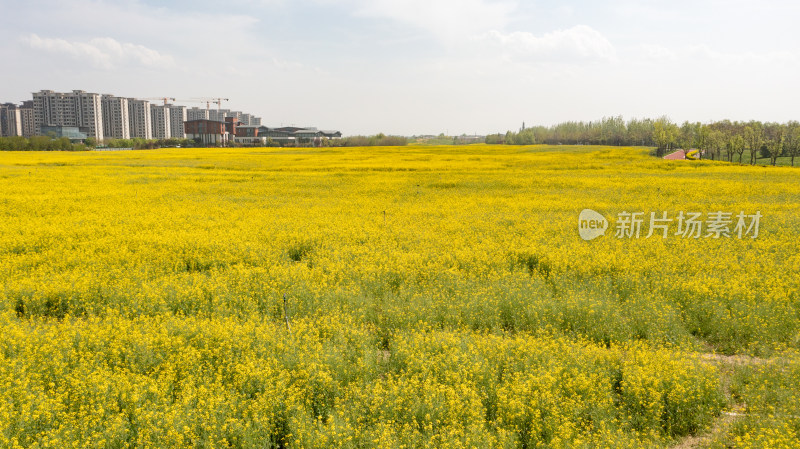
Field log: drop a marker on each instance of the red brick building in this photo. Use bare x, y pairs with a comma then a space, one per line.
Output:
211, 132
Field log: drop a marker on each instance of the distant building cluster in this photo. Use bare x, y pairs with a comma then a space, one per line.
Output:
212, 132
79, 114
16, 120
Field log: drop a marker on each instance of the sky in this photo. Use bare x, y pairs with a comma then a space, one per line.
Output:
417, 66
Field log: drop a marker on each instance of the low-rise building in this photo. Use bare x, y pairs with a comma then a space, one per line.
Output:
235, 114
210, 132
287, 136
248, 135
73, 133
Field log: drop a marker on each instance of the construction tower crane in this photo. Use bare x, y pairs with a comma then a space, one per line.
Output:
164, 99
217, 101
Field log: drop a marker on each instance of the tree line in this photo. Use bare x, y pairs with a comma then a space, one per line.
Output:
51, 143
39, 143
139, 143
378, 140
717, 140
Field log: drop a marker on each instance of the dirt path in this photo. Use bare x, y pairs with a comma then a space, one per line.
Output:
728, 417
734, 360
720, 426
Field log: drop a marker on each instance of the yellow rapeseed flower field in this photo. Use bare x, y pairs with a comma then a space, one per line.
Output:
436, 297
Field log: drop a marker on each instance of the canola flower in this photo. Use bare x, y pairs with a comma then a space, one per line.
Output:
438, 296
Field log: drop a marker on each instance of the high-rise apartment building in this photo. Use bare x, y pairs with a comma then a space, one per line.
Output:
52, 108
161, 123
140, 119
196, 113
177, 115
10, 120
90, 113
77, 109
28, 123
108, 116
235, 114
116, 123
218, 115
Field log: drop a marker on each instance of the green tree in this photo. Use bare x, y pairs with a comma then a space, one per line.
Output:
791, 134
775, 148
703, 140
687, 135
740, 146
39, 143
664, 134
716, 140
494, 139
640, 132
14, 143
525, 137
61, 144
753, 136
735, 145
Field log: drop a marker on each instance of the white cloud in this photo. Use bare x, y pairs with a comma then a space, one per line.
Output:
579, 43
102, 53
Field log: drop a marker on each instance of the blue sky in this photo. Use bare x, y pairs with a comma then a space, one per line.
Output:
417, 66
